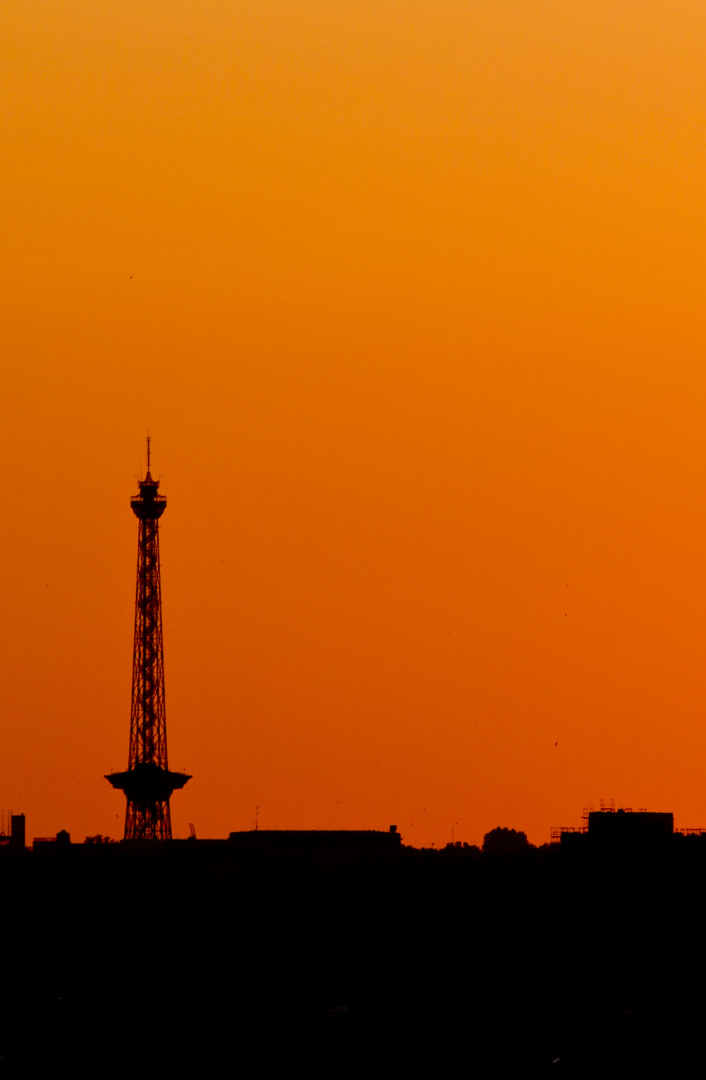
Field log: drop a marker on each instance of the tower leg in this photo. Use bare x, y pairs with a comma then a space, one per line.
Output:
148, 821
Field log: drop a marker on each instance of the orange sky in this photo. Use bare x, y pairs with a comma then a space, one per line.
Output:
410, 296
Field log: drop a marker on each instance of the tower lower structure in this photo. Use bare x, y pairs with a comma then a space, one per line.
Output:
148, 784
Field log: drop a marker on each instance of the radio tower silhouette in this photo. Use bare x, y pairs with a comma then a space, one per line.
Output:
148, 783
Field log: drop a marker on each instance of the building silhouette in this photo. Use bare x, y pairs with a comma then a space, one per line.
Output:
610, 828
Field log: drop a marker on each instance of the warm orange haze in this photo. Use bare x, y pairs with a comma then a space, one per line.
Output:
410, 297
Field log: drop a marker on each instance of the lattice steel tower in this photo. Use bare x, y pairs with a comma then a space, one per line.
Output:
148, 783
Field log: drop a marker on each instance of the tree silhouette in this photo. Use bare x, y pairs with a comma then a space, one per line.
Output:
505, 842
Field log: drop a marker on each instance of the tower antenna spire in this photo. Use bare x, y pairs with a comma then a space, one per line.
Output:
148, 784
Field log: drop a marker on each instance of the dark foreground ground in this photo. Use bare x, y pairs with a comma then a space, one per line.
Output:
445, 963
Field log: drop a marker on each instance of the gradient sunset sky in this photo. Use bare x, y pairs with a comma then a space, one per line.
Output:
410, 296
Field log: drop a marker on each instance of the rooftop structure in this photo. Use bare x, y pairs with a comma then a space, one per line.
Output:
611, 826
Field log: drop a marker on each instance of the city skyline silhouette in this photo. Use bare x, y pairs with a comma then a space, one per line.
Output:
409, 296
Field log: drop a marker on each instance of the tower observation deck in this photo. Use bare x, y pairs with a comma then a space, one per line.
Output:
148, 784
